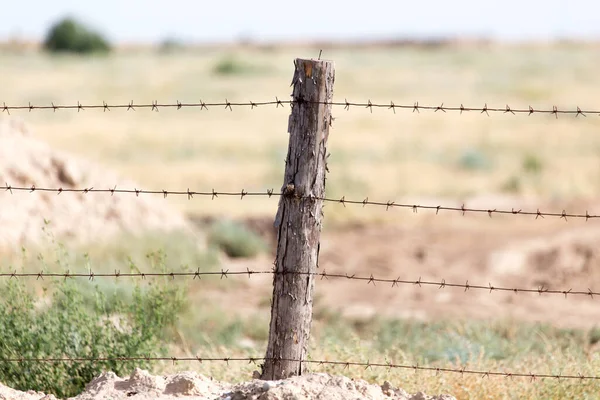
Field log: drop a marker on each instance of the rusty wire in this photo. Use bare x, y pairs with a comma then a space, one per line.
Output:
370, 280
346, 364
155, 106
270, 193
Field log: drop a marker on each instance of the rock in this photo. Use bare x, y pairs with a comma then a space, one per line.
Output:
182, 384
267, 385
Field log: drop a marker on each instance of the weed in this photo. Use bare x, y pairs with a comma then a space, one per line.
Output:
512, 185
474, 159
532, 164
90, 319
70, 327
235, 239
230, 65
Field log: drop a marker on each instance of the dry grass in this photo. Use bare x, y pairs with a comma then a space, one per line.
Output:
534, 350
380, 155
211, 328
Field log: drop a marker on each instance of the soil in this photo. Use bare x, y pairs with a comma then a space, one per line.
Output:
74, 217
189, 385
505, 251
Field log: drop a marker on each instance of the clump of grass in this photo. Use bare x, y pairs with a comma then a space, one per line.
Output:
231, 66
504, 346
71, 327
218, 327
235, 239
532, 164
473, 160
103, 317
507, 346
512, 185
469, 341
151, 251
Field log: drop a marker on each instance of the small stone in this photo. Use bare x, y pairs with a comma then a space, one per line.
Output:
420, 396
386, 388
181, 384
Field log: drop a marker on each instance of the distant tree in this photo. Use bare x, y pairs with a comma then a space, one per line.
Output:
71, 36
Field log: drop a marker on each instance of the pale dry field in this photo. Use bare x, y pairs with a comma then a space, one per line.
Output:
380, 155
429, 158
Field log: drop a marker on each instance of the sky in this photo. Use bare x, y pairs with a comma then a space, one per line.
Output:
151, 21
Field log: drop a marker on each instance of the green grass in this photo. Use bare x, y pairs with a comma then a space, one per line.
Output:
125, 253
532, 164
205, 327
235, 239
505, 346
473, 159
56, 317
231, 65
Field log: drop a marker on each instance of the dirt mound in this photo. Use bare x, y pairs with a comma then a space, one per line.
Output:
26, 161
555, 260
143, 386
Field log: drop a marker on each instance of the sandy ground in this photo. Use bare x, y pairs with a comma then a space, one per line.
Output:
141, 386
505, 251
510, 251
28, 162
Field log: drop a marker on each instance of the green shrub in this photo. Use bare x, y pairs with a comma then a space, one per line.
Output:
232, 66
474, 159
235, 239
532, 164
69, 35
512, 185
71, 327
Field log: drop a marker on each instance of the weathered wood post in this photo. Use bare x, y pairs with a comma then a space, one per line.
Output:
299, 219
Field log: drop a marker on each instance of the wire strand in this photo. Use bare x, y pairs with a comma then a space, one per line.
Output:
415, 107
346, 364
441, 284
343, 201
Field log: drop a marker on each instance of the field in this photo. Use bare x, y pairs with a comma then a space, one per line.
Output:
499, 161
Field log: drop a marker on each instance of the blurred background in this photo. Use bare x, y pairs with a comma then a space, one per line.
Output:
542, 54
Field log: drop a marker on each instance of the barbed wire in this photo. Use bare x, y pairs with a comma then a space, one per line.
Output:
271, 193
441, 284
346, 364
416, 107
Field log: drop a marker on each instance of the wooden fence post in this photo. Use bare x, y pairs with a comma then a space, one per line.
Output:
299, 219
